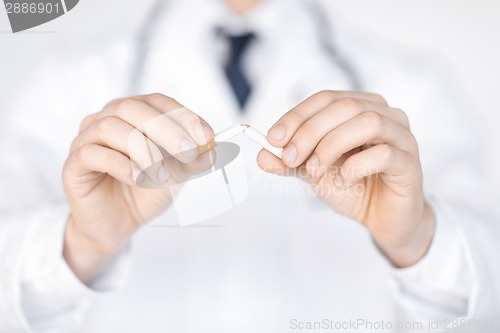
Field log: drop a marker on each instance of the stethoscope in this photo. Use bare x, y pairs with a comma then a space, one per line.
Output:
324, 32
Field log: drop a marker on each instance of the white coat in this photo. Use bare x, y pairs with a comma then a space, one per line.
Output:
280, 260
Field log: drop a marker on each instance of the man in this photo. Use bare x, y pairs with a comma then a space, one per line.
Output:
279, 261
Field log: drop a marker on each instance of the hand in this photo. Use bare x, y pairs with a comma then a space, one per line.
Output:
363, 161
152, 138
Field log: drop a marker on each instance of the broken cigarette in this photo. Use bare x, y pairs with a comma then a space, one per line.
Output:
262, 140
234, 131
223, 136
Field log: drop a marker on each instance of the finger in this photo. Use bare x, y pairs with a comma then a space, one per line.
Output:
154, 124
385, 160
310, 133
283, 130
171, 171
119, 104
197, 127
272, 164
368, 128
91, 158
116, 134
86, 122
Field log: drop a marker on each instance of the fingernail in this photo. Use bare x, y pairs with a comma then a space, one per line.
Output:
312, 164
202, 132
188, 148
337, 181
163, 173
289, 154
277, 133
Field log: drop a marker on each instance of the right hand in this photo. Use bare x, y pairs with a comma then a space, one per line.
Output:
100, 173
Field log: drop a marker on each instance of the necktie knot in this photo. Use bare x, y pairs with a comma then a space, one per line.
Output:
238, 45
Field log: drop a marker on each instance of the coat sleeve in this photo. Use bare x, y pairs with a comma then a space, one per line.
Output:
38, 291
457, 279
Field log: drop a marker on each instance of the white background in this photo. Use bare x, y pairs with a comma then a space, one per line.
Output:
464, 32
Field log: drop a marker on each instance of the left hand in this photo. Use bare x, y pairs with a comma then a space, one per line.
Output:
362, 159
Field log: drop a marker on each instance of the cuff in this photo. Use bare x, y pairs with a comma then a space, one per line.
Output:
50, 291
441, 284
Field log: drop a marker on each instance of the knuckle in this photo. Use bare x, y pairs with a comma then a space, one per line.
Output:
110, 160
378, 98
293, 116
85, 122
171, 100
74, 144
83, 153
322, 97
403, 117
414, 144
123, 106
385, 152
328, 95
112, 103
106, 124
373, 120
308, 130
156, 98
351, 103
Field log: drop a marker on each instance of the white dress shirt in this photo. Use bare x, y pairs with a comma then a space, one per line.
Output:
281, 254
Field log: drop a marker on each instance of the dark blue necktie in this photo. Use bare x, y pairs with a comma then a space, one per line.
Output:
234, 67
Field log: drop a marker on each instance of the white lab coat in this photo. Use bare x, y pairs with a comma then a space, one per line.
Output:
279, 256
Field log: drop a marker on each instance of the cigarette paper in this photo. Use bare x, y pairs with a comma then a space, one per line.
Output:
223, 136
230, 133
262, 140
